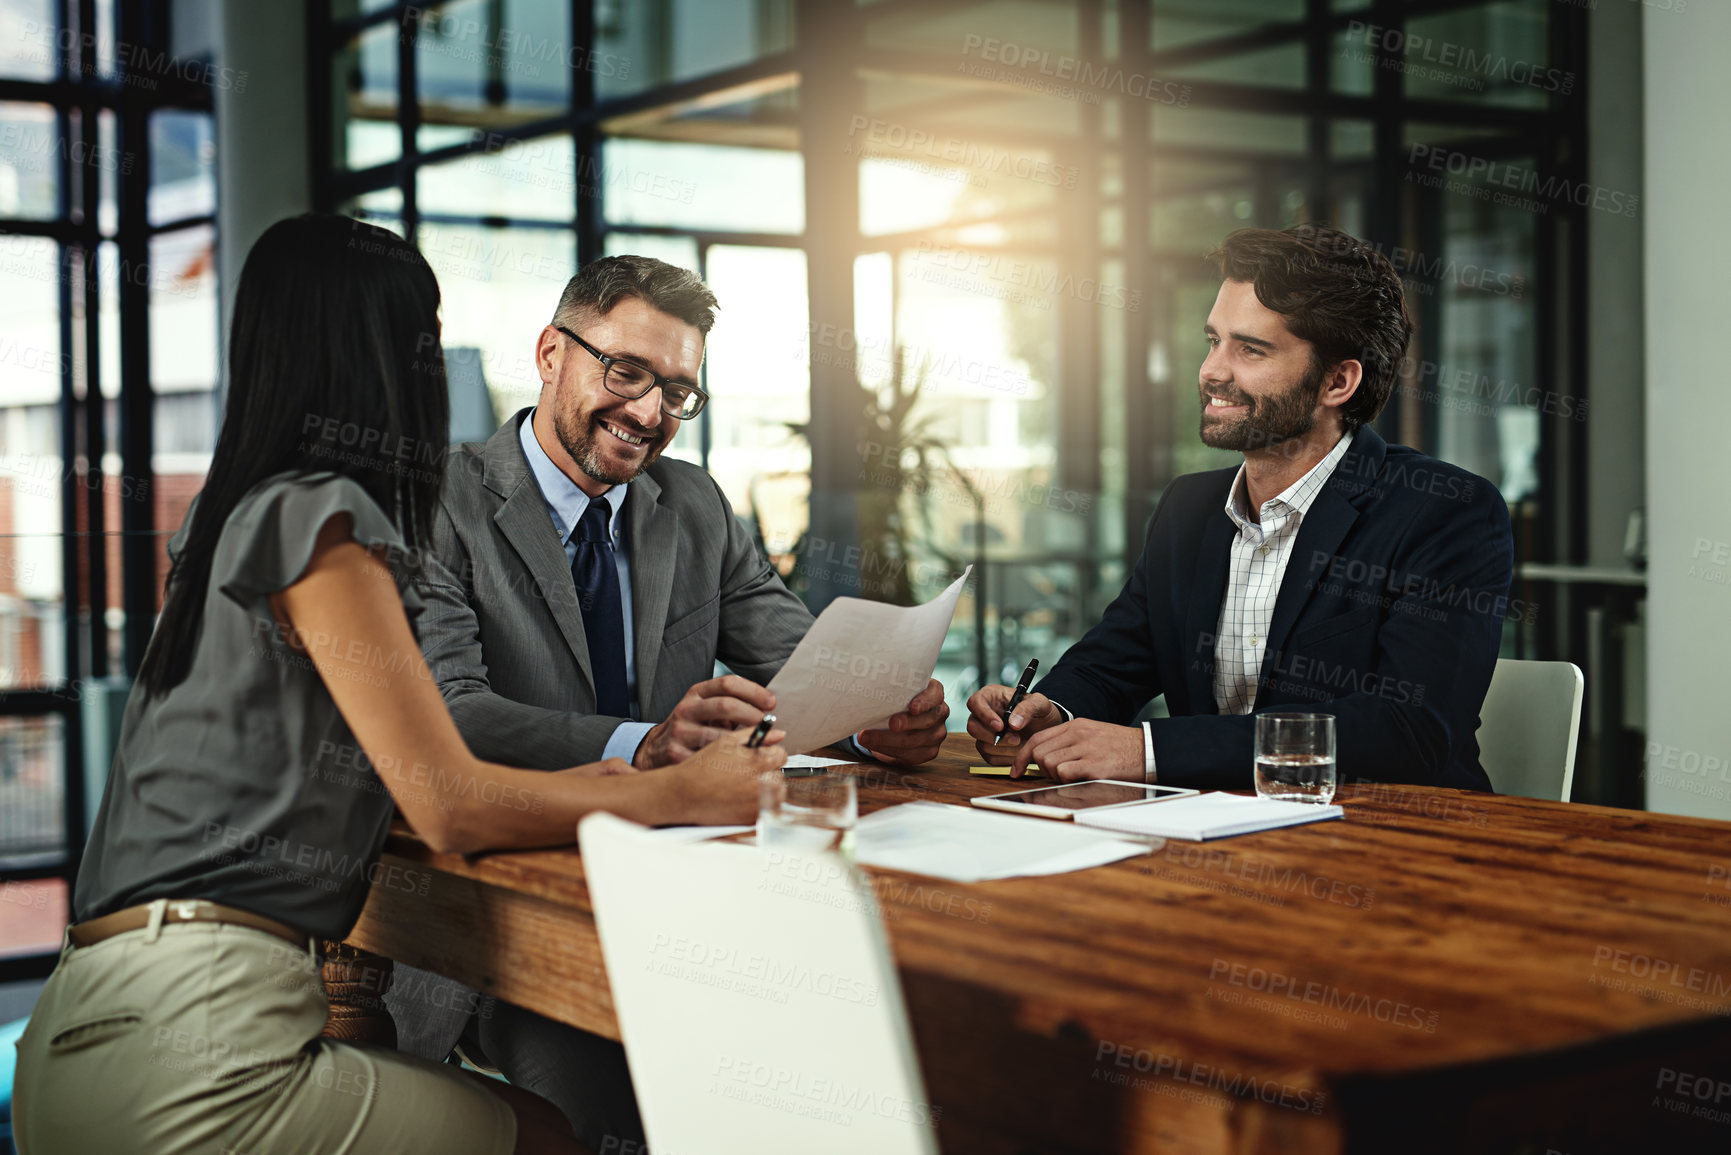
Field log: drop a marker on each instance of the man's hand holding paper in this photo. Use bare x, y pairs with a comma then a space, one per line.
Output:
916, 734
864, 666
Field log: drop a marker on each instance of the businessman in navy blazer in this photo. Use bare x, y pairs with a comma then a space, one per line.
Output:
1331, 572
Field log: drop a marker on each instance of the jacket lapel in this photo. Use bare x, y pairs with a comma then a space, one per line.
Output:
524, 521
1325, 526
653, 531
1202, 621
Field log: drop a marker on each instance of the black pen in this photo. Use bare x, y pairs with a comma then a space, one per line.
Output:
760, 733
1027, 680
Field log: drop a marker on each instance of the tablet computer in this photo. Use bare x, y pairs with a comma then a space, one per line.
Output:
1065, 801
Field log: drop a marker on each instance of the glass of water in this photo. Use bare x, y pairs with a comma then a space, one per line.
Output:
809, 814
1295, 757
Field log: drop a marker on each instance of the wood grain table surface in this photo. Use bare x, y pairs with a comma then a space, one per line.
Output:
1441, 971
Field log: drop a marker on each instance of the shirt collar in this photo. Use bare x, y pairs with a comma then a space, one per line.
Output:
1295, 498
565, 501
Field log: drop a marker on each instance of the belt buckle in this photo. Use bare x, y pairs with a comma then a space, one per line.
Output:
185, 909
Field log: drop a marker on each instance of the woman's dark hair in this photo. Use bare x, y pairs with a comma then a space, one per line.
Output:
1335, 291
334, 366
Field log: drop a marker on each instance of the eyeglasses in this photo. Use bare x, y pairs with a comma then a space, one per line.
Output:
630, 380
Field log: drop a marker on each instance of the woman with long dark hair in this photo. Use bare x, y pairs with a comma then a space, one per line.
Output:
282, 708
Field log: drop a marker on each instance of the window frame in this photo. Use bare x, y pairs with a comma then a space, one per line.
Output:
78, 93
830, 54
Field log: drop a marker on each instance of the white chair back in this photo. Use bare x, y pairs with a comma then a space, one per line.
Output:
1528, 727
757, 998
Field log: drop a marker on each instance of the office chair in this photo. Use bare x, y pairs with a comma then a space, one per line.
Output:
757, 998
472, 416
9, 1034
1528, 727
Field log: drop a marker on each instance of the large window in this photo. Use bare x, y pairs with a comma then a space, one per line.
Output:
108, 366
959, 246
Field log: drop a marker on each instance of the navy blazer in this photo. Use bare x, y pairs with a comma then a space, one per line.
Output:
1389, 617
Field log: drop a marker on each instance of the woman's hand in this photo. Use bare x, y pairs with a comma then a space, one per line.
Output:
606, 768
718, 785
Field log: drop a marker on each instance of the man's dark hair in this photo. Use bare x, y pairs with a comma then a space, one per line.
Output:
602, 284
1335, 291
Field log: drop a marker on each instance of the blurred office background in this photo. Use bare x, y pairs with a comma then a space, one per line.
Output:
959, 252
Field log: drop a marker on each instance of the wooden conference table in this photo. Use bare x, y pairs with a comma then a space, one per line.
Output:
1442, 971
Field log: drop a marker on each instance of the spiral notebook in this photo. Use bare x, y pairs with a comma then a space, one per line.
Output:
1205, 816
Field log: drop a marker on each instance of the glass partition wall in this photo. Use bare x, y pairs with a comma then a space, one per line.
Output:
959, 246
108, 371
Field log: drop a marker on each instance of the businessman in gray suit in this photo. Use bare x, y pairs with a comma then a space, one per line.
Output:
582, 590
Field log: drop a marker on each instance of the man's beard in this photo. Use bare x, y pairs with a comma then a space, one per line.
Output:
1269, 421
583, 443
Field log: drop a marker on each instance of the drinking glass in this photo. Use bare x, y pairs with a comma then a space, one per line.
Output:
809, 814
1295, 757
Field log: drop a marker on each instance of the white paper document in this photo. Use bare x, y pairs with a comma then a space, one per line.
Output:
964, 844
858, 664
696, 833
813, 762
1205, 816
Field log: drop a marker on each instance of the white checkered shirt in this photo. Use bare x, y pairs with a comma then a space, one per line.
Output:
1260, 551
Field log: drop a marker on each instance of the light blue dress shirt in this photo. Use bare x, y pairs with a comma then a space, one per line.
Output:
565, 505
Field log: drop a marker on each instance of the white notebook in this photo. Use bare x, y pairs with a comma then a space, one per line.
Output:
1204, 816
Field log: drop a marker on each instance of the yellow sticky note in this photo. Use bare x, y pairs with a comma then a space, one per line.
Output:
1004, 771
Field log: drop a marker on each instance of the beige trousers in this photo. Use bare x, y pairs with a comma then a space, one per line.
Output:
204, 1037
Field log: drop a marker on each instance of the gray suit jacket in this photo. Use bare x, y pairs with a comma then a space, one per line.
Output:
503, 633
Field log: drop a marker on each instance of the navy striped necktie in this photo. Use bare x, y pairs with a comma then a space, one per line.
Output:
597, 581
